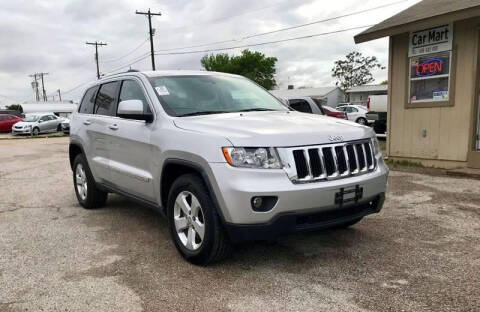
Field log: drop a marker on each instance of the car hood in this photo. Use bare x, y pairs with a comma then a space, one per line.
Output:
278, 129
24, 123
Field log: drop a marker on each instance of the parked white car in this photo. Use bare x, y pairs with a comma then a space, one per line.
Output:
355, 113
37, 123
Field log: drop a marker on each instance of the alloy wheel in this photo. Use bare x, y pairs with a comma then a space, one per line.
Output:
189, 220
81, 181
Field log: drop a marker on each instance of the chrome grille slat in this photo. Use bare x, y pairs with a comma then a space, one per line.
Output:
339, 163
347, 160
365, 158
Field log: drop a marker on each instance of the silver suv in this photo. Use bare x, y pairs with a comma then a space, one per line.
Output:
223, 159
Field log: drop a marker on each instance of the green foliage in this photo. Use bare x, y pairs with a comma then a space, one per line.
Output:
253, 65
16, 107
355, 70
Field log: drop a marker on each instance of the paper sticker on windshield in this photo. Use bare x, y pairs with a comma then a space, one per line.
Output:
162, 90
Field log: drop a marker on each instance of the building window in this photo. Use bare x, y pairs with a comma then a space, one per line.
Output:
430, 77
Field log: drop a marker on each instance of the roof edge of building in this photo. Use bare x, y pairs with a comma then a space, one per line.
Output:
369, 35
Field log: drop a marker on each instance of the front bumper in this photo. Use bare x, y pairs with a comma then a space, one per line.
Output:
235, 188
292, 222
21, 131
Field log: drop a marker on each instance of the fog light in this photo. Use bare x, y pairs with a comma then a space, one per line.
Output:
257, 202
263, 203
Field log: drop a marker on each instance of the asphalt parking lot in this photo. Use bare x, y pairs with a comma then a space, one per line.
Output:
421, 253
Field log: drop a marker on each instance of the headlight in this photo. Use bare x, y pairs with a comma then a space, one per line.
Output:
376, 146
252, 157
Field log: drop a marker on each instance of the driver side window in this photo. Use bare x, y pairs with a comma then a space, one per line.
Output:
44, 118
131, 90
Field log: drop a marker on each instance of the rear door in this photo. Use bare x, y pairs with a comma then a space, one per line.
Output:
3, 123
104, 117
131, 158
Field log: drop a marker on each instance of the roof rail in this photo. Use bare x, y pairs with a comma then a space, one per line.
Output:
113, 74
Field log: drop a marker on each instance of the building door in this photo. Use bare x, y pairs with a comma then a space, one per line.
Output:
478, 124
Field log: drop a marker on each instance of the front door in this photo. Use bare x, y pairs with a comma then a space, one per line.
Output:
131, 159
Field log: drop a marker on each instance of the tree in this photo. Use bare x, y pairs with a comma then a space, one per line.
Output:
355, 70
385, 82
253, 65
15, 107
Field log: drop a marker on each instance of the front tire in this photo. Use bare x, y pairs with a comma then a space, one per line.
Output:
88, 194
36, 131
194, 223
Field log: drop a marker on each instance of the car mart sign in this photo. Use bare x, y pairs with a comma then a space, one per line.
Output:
431, 40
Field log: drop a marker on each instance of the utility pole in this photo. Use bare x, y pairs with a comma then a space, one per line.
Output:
35, 86
152, 31
96, 44
43, 86
59, 95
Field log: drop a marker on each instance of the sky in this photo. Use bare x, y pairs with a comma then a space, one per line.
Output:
50, 35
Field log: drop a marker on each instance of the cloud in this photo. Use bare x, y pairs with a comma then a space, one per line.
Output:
50, 36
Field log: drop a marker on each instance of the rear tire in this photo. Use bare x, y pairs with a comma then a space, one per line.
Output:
362, 121
59, 128
191, 213
88, 194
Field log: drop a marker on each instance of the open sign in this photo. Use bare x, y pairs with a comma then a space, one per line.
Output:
429, 67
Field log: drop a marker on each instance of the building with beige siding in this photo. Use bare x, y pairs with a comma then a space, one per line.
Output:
434, 78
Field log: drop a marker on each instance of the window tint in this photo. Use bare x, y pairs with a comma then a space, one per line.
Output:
10, 117
88, 101
131, 90
44, 118
105, 103
2, 118
301, 106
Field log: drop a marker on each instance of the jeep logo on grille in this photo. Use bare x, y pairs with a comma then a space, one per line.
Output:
335, 138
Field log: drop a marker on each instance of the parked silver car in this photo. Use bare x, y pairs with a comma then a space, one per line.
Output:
222, 158
37, 123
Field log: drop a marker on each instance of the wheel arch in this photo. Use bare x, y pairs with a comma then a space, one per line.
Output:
74, 149
173, 168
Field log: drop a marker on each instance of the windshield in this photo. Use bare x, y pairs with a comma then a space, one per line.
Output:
31, 118
200, 95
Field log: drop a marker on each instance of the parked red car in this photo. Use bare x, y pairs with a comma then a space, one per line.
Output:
7, 121
332, 112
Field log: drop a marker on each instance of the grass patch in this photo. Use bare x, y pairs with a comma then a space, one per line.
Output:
403, 163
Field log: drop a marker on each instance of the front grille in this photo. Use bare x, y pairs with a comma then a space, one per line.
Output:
333, 161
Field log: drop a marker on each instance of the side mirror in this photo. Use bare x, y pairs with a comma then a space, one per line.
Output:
133, 109
40, 121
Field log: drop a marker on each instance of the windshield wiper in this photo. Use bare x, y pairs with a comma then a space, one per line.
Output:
203, 113
258, 109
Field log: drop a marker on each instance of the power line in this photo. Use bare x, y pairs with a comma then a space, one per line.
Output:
283, 29
263, 43
124, 56
324, 20
96, 44
129, 64
149, 14
217, 20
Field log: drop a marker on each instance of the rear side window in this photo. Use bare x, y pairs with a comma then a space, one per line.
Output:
106, 102
10, 117
301, 106
132, 91
88, 101
2, 118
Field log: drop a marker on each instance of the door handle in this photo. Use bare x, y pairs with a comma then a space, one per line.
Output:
87, 122
113, 127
